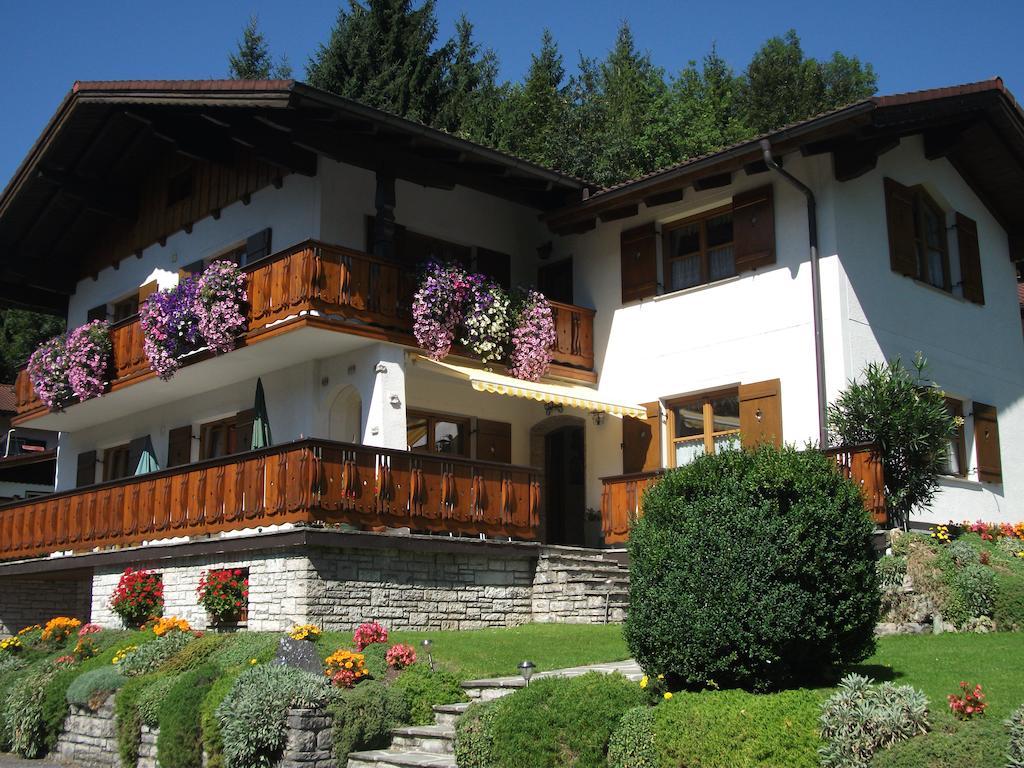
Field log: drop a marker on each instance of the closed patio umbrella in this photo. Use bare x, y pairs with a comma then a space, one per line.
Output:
261, 422
147, 459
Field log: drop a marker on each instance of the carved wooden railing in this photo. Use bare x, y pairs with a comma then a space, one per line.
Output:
348, 288
307, 481
622, 495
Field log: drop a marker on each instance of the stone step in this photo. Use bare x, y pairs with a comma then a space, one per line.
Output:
488, 690
564, 558
388, 758
435, 739
448, 714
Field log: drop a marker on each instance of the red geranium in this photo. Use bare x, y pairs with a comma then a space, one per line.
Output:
223, 593
139, 597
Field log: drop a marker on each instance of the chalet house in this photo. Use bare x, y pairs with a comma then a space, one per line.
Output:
728, 298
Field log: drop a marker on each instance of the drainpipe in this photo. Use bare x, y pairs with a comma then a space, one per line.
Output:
812, 231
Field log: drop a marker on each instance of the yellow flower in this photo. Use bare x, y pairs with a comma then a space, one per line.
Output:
668, 695
253, 661
643, 681
661, 677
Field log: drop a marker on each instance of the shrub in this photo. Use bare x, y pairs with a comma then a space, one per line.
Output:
213, 743
400, 656
979, 744
891, 570
558, 722
91, 688
974, 588
139, 596
241, 648
905, 415
25, 715
962, 553
364, 717
860, 719
970, 702
195, 653
424, 688
1015, 725
151, 697
150, 656
180, 742
632, 743
474, 736
252, 717
1008, 606
753, 569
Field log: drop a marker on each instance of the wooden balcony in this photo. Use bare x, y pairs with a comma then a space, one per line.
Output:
622, 495
329, 287
305, 482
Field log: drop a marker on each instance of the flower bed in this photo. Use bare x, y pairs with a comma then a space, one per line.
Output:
72, 366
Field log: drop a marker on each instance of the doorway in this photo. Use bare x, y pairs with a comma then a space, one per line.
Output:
565, 497
344, 421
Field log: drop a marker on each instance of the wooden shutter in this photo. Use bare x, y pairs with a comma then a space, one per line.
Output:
761, 413
970, 259
899, 215
257, 246
641, 441
149, 288
986, 443
240, 438
179, 446
96, 313
85, 472
496, 265
753, 228
494, 441
639, 259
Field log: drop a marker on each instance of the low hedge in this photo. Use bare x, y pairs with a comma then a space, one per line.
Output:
978, 743
632, 743
424, 687
553, 723
364, 717
180, 742
92, 688
724, 729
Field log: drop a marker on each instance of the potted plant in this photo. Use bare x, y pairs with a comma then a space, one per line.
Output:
139, 597
224, 594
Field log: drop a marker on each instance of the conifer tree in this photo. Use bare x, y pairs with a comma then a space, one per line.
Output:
705, 112
252, 59
471, 94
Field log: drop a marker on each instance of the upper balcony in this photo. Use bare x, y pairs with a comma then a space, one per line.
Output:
312, 289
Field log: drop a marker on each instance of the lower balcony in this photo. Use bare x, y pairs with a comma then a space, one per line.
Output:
622, 495
309, 482
308, 287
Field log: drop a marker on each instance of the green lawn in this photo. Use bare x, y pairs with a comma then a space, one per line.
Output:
497, 652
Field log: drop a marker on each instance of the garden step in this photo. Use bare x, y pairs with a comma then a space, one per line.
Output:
387, 758
436, 739
448, 714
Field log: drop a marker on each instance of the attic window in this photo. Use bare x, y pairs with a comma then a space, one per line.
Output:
179, 187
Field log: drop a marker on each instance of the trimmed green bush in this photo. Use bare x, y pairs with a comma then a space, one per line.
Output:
976, 587
252, 717
91, 688
1008, 606
196, 653
980, 743
423, 688
364, 717
632, 743
243, 647
474, 735
753, 569
180, 741
213, 743
737, 729
150, 656
151, 697
554, 723
1015, 725
129, 720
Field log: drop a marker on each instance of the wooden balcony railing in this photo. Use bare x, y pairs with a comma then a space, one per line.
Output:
309, 481
352, 291
622, 495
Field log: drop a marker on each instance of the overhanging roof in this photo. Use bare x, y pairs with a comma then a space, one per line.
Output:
978, 127
86, 167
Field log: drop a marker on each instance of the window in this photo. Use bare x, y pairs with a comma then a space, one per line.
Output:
117, 462
703, 424
699, 250
931, 242
126, 308
437, 433
956, 459
226, 437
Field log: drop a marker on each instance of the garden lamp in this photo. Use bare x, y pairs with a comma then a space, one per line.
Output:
427, 645
526, 670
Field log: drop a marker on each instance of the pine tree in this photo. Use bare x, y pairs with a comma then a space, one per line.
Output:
471, 94
252, 60
382, 55
705, 108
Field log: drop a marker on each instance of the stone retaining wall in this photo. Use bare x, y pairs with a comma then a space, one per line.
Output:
310, 741
147, 747
89, 738
27, 601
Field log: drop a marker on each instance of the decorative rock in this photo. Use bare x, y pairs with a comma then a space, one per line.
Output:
300, 654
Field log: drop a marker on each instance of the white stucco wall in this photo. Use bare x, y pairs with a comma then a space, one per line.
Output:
974, 352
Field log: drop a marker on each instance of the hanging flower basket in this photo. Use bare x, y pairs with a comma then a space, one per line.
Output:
437, 308
485, 321
532, 337
218, 305
72, 366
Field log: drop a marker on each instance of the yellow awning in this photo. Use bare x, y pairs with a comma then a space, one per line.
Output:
569, 395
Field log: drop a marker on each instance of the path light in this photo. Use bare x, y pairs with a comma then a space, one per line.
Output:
427, 646
608, 584
526, 670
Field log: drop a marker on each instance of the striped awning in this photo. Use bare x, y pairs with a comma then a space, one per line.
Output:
568, 395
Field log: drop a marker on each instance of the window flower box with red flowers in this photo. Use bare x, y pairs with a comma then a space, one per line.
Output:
225, 596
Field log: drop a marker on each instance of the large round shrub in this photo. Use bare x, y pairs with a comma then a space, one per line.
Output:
753, 569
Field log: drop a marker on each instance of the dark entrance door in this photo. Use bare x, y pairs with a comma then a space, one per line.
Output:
566, 499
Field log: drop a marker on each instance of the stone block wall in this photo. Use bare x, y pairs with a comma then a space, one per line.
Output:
27, 601
310, 741
89, 738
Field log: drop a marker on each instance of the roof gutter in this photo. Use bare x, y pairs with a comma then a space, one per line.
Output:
812, 232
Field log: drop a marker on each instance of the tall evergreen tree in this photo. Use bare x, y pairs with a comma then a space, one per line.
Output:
706, 108
382, 54
21, 331
471, 93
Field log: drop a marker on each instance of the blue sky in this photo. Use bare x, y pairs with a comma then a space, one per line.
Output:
45, 47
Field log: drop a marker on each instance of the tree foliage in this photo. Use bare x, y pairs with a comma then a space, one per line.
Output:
905, 415
252, 60
21, 331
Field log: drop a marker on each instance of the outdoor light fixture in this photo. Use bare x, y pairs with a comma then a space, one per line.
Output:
427, 645
608, 584
598, 417
550, 408
526, 670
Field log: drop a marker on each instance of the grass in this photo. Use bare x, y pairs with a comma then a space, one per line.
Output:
497, 652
